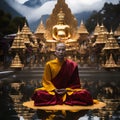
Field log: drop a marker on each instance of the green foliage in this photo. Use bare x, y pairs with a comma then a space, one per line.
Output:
8, 24
109, 15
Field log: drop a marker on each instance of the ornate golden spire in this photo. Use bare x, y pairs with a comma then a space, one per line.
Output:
110, 63
97, 30
40, 29
16, 62
101, 38
82, 29
104, 29
26, 30
18, 42
111, 43
26, 33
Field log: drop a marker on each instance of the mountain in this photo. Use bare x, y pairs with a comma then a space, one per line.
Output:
35, 3
82, 16
5, 7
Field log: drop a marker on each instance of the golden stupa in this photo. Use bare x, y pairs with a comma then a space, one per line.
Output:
26, 34
82, 29
110, 63
39, 33
61, 26
97, 30
61, 19
102, 36
111, 43
18, 42
16, 62
104, 29
40, 29
26, 30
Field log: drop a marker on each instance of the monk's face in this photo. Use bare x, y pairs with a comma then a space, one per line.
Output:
60, 51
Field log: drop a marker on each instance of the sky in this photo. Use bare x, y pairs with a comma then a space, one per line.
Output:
85, 1
76, 6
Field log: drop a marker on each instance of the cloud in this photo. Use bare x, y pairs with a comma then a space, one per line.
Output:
32, 14
46, 8
22, 9
83, 5
76, 6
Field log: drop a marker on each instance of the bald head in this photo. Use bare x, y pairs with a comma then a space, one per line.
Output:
61, 45
60, 51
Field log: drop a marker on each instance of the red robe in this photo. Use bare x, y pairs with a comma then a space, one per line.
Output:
67, 78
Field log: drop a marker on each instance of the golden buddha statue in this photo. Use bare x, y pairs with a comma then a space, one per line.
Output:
61, 31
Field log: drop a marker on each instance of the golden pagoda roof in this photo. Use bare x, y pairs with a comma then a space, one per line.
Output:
26, 30
16, 62
18, 41
117, 31
101, 38
40, 28
97, 29
82, 29
111, 43
110, 63
104, 30
26, 33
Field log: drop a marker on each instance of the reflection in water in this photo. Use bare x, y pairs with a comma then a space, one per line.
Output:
15, 91
7, 111
60, 115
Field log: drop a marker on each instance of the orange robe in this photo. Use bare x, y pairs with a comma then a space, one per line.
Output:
61, 75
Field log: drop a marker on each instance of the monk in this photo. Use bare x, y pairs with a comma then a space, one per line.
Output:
61, 83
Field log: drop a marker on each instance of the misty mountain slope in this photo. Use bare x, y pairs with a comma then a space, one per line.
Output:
34, 10
35, 3
41, 6
7, 8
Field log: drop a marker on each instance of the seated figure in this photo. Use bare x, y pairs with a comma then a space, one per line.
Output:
61, 31
61, 83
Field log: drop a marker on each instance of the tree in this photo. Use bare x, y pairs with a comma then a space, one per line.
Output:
109, 15
8, 24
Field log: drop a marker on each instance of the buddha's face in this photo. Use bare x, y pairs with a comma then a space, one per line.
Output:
60, 51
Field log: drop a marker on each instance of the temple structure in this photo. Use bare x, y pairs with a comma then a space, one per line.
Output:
82, 30
16, 62
97, 30
62, 26
96, 54
111, 47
